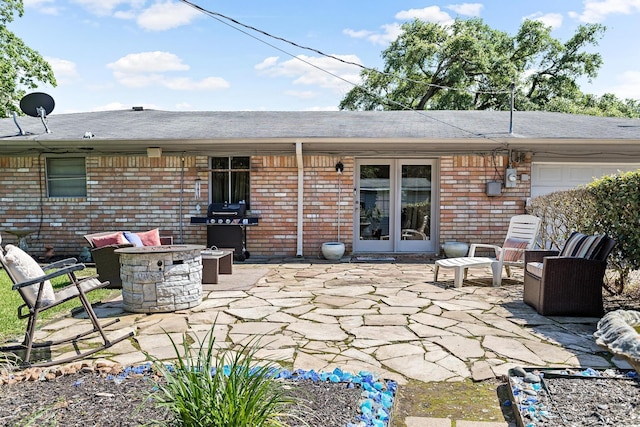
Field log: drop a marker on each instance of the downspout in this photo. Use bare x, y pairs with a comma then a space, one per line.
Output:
300, 197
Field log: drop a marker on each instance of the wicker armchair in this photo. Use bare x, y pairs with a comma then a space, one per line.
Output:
566, 285
108, 262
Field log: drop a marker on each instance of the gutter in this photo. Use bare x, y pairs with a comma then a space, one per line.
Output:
300, 198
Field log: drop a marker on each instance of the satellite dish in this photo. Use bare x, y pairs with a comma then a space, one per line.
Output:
37, 103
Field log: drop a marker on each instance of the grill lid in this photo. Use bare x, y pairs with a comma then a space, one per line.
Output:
227, 209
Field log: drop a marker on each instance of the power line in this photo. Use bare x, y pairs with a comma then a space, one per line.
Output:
222, 18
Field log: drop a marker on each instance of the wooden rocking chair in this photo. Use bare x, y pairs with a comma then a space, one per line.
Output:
33, 284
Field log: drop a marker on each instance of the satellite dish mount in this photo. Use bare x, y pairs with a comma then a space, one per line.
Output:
38, 104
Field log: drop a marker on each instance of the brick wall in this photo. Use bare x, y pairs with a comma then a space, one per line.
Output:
274, 188
467, 214
138, 193
134, 193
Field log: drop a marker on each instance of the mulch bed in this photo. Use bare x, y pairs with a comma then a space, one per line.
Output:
88, 399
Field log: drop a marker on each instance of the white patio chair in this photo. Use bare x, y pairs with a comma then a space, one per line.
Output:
521, 236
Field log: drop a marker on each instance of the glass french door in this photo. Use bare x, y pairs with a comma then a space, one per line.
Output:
394, 209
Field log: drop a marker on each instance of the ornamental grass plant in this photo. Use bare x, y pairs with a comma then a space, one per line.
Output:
225, 389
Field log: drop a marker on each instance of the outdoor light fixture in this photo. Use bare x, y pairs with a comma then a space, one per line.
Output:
154, 152
339, 168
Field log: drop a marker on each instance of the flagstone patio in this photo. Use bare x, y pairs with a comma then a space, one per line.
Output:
387, 318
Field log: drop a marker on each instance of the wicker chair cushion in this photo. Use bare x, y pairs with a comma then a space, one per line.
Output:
581, 246
535, 268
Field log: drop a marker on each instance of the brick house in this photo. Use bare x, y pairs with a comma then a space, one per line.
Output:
410, 180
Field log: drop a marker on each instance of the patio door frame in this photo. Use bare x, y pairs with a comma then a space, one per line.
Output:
394, 242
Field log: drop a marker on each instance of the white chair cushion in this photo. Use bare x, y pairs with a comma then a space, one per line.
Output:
22, 268
535, 268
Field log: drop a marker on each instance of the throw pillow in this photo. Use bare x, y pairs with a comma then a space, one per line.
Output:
514, 255
110, 239
582, 246
22, 268
150, 238
133, 238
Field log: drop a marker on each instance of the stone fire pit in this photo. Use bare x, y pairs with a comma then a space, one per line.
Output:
161, 278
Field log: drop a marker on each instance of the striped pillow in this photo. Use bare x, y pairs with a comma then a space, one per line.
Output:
581, 246
514, 249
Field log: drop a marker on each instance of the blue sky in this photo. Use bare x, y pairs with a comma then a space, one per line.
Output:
116, 54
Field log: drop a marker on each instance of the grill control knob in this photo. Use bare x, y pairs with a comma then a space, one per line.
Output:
228, 221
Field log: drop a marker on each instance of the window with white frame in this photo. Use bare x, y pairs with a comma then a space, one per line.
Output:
66, 177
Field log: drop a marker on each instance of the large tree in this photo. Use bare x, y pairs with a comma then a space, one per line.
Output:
20, 66
469, 65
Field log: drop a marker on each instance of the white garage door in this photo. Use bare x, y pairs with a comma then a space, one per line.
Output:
547, 177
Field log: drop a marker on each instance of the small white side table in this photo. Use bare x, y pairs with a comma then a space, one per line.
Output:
461, 264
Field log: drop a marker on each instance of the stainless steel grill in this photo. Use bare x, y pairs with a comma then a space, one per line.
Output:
226, 227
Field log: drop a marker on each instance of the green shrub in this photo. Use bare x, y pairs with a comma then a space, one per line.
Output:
607, 205
561, 213
227, 392
617, 213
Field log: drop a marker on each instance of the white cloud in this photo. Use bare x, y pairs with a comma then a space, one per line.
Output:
597, 10
185, 83
467, 9
427, 14
46, 7
359, 34
307, 70
145, 69
268, 62
148, 61
389, 33
166, 15
64, 71
553, 20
